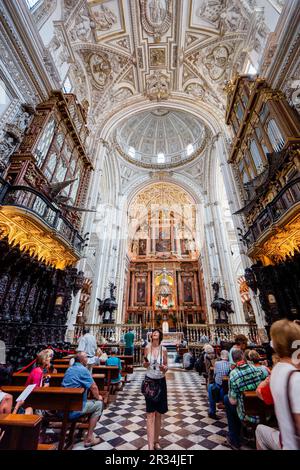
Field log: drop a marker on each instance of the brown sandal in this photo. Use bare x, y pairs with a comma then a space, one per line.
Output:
157, 446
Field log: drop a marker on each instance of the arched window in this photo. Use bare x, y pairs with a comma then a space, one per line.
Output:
189, 149
275, 135
131, 152
161, 157
67, 86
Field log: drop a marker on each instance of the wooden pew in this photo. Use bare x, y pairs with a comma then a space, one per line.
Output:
111, 372
53, 398
254, 406
21, 432
56, 379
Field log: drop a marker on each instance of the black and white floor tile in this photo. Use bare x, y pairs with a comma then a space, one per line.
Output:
185, 426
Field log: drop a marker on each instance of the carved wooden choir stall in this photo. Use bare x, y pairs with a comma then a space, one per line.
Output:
42, 194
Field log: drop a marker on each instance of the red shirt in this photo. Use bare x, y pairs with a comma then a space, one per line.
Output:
35, 377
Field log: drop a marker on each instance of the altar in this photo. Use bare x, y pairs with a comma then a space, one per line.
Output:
172, 338
169, 339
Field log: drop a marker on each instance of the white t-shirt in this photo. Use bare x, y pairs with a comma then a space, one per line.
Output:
88, 344
278, 381
153, 370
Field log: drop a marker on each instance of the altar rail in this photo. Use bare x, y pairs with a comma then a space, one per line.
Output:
111, 333
108, 332
222, 332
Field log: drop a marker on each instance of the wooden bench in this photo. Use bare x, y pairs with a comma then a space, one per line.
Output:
21, 432
53, 398
56, 379
254, 406
111, 372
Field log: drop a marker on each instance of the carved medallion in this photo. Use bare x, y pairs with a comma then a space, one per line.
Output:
156, 17
100, 68
217, 62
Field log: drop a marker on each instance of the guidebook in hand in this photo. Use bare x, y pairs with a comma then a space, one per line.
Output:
26, 392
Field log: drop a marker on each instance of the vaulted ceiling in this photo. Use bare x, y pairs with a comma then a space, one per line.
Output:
123, 50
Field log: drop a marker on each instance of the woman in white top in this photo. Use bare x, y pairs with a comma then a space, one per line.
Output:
156, 362
285, 389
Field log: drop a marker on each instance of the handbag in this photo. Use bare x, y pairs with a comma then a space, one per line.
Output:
151, 387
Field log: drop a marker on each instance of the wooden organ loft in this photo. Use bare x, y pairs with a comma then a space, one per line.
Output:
265, 155
41, 189
165, 285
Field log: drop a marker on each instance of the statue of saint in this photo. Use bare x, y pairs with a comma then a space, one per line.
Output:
157, 11
165, 327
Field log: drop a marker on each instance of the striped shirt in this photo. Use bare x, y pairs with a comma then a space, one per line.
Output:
244, 377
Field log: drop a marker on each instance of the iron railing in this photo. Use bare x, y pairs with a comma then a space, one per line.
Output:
38, 204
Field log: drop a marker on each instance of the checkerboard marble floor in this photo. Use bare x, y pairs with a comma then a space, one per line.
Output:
185, 426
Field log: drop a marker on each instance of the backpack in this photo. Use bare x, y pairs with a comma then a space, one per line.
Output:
199, 364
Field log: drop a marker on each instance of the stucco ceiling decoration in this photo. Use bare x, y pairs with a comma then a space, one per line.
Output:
122, 50
163, 195
161, 137
156, 17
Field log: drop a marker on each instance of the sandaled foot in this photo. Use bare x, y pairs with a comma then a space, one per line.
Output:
93, 442
157, 446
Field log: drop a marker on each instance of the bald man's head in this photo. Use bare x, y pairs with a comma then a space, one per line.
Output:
82, 358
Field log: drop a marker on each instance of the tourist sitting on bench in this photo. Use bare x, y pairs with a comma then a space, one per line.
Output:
244, 377
78, 376
254, 359
188, 360
215, 390
113, 360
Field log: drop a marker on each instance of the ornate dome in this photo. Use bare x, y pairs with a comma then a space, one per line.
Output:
161, 137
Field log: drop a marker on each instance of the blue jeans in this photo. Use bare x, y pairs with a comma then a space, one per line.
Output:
212, 402
234, 423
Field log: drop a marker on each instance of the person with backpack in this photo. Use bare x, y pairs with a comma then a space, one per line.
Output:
285, 390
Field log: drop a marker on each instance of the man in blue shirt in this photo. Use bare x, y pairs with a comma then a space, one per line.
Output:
78, 376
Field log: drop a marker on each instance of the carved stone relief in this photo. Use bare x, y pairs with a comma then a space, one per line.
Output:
100, 68
156, 17
157, 87
82, 30
157, 57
